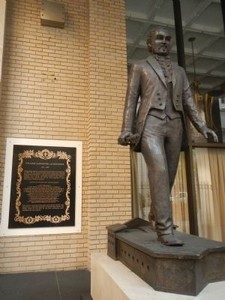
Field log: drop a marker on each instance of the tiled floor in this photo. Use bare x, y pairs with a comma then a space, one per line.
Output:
68, 285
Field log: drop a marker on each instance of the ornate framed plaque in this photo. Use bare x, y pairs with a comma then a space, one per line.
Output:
42, 187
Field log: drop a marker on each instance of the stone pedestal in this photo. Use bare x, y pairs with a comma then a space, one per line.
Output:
112, 280
181, 270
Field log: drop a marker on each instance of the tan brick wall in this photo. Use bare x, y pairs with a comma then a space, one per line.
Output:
68, 84
2, 29
109, 175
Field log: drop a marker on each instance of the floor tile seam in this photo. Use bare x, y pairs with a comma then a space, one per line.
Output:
58, 286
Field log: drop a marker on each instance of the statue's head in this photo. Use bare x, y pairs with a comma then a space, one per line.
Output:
159, 41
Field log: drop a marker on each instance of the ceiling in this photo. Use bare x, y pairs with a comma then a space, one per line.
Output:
202, 19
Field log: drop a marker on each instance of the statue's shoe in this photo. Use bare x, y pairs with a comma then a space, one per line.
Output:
170, 240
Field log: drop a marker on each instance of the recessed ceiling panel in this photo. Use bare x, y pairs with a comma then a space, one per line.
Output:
201, 40
203, 65
188, 8
139, 9
219, 71
217, 49
210, 19
133, 30
164, 14
202, 19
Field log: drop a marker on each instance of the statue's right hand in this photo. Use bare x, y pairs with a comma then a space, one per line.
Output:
123, 138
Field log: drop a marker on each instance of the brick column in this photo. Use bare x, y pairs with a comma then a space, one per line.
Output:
109, 163
2, 29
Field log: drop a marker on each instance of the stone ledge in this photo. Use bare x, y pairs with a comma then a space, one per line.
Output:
181, 270
112, 280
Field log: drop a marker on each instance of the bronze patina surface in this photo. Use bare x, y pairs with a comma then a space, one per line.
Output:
158, 100
190, 268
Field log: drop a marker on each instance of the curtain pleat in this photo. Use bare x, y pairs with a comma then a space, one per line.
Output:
141, 192
209, 184
209, 175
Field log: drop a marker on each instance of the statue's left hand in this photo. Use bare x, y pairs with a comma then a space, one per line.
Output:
207, 131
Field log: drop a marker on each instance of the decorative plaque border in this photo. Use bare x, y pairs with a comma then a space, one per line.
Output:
12, 207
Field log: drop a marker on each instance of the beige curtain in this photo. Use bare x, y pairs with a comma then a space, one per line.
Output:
209, 173
179, 197
140, 186
209, 167
141, 192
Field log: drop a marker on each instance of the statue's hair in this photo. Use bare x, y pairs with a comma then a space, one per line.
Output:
151, 35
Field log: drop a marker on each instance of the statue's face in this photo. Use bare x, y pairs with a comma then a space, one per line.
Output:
160, 42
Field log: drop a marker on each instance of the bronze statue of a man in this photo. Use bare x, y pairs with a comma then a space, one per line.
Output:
158, 97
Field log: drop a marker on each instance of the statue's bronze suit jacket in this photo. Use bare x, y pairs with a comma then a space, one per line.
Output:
147, 89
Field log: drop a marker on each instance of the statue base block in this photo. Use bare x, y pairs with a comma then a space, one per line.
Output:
180, 270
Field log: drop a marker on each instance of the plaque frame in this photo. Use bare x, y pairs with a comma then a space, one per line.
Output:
7, 188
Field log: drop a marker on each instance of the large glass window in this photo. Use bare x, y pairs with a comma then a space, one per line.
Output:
204, 46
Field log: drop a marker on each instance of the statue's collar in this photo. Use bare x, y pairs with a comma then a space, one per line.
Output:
158, 69
162, 58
